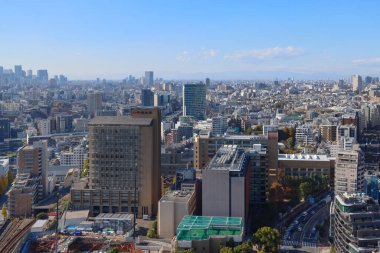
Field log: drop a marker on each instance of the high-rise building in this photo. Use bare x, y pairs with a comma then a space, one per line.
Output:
33, 160
18, 71
355, 219
94, 101
5, 129
349, 171
147, 97
30, 73
357, 83
208, 82
124, 165
148, 79
42, 75
194, 100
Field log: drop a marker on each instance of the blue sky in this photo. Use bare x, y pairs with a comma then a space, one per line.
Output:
192, 38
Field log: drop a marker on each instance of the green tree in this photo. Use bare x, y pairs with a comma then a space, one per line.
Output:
306, 189
4, 211
226, 250
114, 250
152, 232
245, 247
290, 142
267, 239
84, 172
10, 177
42, 216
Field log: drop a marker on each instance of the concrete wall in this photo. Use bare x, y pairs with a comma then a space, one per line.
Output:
215, 193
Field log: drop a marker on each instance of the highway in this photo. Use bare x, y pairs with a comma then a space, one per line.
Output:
302, 231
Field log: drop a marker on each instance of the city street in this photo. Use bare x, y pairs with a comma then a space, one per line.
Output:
302, 231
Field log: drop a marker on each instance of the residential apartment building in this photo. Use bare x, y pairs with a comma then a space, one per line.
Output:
355, 223
349, 171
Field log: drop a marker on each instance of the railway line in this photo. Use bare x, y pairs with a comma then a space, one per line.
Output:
13, 233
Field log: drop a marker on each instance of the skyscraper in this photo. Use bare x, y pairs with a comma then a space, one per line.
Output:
42, 75
94, 101
194, 100
147, 97
148, 80
357, 83
18, 70
124, 158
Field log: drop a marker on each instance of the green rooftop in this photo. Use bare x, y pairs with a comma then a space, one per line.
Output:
202, 227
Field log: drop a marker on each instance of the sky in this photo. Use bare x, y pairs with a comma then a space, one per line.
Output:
221, 39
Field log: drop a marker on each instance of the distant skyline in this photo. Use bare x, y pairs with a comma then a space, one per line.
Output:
192, 39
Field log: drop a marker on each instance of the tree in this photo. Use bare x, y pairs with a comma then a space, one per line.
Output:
276, 192
4, 211
115, 250
85, 168
267, 239
3, 184
245, 247
226, 250
42, 216
152, 232
306, 189
10, 177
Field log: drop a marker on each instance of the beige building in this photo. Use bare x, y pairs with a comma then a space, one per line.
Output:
357, 83
22, 196
328, 133
124, 158
349, 171
32, 159
172, 207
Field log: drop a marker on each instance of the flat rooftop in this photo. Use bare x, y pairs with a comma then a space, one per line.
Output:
228, 157
304, 157
114, 216
177, 196
202, 227
120, 120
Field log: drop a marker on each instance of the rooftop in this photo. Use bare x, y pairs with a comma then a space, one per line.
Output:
120, 120
177, 196
115, 216
303, 157
202, 227
228, 157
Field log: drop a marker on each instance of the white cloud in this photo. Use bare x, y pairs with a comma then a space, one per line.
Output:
209, 53
367, 61
264, 53
183, 56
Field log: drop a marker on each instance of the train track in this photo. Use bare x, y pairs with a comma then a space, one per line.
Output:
14, 233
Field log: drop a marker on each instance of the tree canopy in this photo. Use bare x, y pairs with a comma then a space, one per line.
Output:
267, 239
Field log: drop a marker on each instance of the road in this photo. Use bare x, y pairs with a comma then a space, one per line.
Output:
302, 231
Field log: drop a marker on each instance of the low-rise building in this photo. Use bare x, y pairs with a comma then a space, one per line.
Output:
172, 207
205, 234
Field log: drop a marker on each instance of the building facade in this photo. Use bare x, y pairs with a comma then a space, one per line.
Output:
349, 171
124, 165
194, 100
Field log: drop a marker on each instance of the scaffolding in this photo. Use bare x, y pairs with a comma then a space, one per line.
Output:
202, 227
